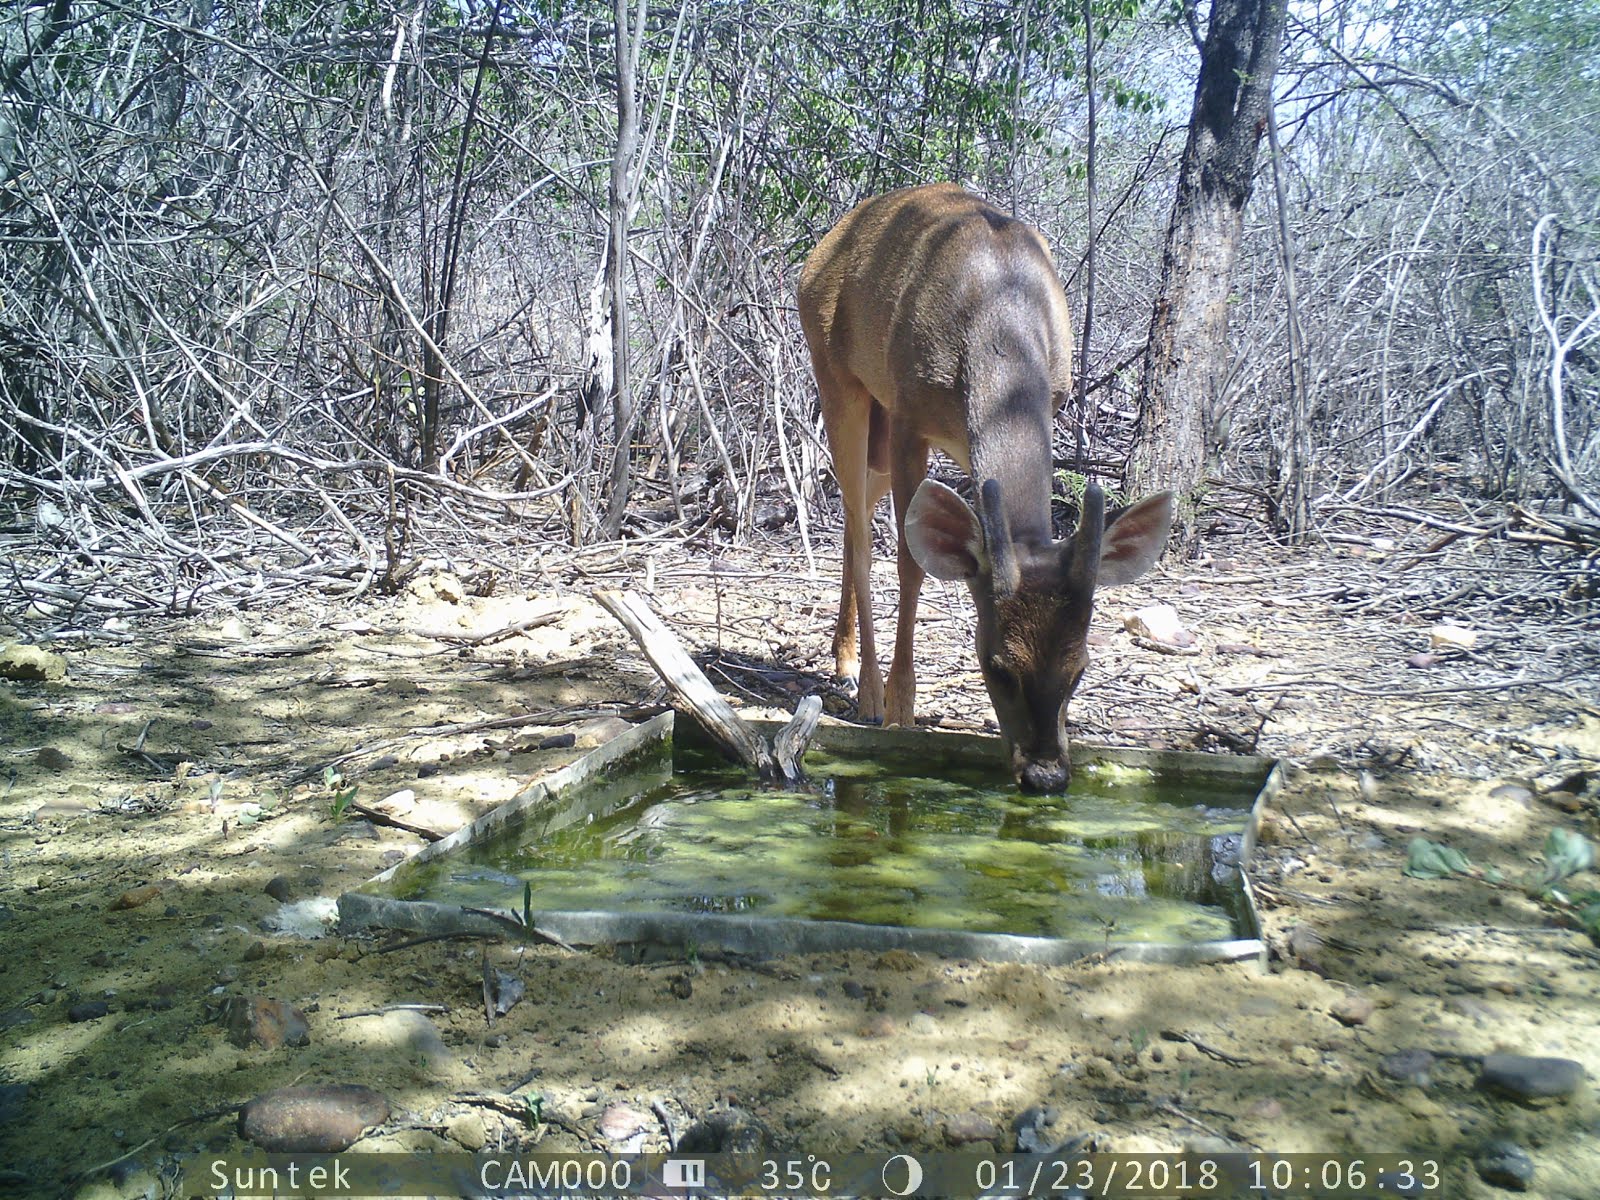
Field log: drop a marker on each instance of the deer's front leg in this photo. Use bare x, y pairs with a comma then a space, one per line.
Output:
909, 466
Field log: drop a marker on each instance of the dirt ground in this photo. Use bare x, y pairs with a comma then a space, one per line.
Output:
152, 796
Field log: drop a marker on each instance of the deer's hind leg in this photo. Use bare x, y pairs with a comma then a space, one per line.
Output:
853, 420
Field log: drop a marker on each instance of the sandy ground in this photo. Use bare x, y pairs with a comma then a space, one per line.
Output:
180, 768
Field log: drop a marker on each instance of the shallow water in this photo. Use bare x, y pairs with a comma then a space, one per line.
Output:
1122, 856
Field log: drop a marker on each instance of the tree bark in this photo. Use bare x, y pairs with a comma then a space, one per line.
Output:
622, 188
1188, 346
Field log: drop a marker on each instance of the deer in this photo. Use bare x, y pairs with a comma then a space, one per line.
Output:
934, 320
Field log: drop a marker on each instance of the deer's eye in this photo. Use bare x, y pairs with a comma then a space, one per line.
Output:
1003, 676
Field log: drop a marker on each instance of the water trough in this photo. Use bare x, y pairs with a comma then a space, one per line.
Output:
462, 884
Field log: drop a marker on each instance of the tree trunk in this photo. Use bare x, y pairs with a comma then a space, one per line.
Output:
1188, 346
617, 279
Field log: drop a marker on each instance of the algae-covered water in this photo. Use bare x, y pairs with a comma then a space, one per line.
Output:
1124, 855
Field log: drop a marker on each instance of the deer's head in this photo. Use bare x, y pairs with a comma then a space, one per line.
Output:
1034, 602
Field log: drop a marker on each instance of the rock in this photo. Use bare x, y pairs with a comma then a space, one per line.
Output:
897, 960
311, 1120
854, 990
878, 1026
682, 986
1266, 1109
1352, 1009
234, 629
1452, 637
48, 758
89, 1010
1409, 1066
468, 1131
18, 661
279, 889
625, 1127
965, 1128
1513, 793
260, 1021
134, 897
922, 1025
725, 1131
1160, 625
1505, 1164
1030, 1126
599, 731
1526, 1078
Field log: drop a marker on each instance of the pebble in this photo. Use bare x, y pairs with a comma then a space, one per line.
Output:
279, 889
965, 1128
467, 1131
625, 1127
1409, 1066
1527, 1078
311, 1120
89, 1010
923, 1025
261, 1021
1505, 1164
1030, 1128
1353, 1009
134, 897
854, 990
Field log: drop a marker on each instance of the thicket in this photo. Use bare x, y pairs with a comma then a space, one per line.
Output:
305, 293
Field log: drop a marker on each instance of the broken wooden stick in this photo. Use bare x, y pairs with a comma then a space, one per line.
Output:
693, 693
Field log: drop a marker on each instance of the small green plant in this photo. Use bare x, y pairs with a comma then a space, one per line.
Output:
1566, 853
333, 782
533, 1102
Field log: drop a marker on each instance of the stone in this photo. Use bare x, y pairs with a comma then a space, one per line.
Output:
468, 1131
1505, 1164
1409, 1066
1528, 1078
261, 1021
311, 1120
625, 1127
135, 897
1452, 637
965, 1128
1160, 624
1352, 1009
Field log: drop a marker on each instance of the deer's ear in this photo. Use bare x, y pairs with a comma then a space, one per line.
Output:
943, 533
1134, 539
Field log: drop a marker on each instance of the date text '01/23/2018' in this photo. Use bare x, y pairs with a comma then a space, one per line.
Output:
1214, 1175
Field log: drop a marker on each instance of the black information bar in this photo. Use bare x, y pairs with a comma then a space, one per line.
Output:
957, 1176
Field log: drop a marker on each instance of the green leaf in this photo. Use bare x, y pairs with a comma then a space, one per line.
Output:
1434, 860
1569, 851
342, 801
535, 1105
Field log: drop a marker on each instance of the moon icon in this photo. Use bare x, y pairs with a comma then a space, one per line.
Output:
913, 1174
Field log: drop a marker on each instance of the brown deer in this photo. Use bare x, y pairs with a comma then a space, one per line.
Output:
936, 320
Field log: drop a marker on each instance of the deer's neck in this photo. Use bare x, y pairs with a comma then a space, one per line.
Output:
1009, 438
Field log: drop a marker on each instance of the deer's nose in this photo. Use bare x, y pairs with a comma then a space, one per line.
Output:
1044, 775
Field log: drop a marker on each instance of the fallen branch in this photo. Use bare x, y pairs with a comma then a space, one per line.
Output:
693, 693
